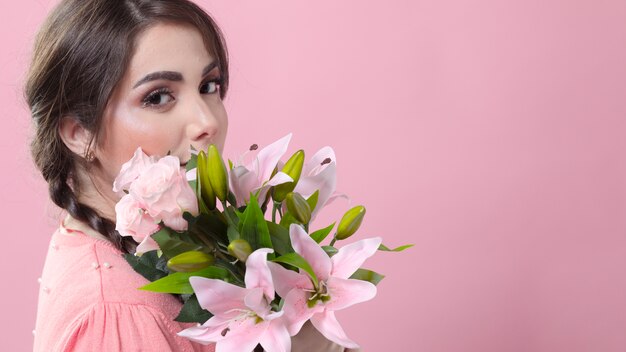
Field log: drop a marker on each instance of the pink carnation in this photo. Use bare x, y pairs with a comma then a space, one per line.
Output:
163, 191
158, 190
131, 170
133, 221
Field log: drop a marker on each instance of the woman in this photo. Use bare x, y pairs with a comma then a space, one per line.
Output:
108, 76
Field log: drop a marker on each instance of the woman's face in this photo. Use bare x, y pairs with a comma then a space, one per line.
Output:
167, 101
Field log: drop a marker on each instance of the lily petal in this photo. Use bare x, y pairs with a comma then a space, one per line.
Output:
350, 257
273, 315
258, 273
346, 292
204, 335
255, 301
243, 336
304, 245
279, 178
234, 179
327, 324
276, 337
335, 196
324, 181
296, 310
269, 156
317, 158
217, 296
285, 280
242, 181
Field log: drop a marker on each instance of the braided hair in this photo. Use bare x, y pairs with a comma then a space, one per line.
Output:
80, 54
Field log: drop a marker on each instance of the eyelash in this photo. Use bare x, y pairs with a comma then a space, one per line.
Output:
145, 102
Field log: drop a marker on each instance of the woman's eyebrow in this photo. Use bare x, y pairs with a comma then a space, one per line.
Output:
171, 75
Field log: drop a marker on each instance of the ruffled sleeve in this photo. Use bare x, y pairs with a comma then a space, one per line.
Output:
126, 327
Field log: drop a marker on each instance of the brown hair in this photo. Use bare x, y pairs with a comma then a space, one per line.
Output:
80, 54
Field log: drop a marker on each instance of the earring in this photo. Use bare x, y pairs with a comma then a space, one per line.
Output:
90, 156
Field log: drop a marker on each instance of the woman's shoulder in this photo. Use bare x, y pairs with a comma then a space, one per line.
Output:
85, 277
95, 268
114, 326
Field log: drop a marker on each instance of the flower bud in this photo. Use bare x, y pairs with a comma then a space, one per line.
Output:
190, 261
293, 168
350, 222
218, 176
298, 207
240, 249
206, 191
330, 250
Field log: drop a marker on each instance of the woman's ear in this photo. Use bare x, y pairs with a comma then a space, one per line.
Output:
74, 135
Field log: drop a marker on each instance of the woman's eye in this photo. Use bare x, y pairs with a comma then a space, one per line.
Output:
157, 98
209, 87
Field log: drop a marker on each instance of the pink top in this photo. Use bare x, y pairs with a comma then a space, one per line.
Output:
89, 301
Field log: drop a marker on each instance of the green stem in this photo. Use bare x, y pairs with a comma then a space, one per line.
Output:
333, 241
280, 211
212, 246
205, 240
273, 211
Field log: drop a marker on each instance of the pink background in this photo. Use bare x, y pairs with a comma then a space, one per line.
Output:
492, 134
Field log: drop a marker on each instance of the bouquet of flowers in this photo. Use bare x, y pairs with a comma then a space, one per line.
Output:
245, 280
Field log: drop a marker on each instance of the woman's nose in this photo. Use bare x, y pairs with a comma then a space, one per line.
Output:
203, 124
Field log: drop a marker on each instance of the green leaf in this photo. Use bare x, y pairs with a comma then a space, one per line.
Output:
212, 224
238, 213
204, 209
179, 282
280, 238
287, 219
147, 265
367, 275
253, 227
234, 215
296, 260
192, 312
312, 200
173, 246
232, 233
161, 264
382, 247
321, 234
192, 163
233, 271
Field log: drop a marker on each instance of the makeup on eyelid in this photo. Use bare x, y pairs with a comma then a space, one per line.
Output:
164, 90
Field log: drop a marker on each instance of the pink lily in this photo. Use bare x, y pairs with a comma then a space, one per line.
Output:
255, 176
304, 300
242, 317
319, 173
